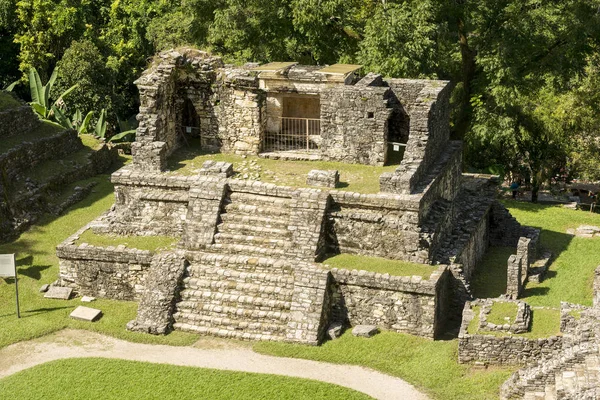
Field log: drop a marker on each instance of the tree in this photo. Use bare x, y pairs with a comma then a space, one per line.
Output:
84, 66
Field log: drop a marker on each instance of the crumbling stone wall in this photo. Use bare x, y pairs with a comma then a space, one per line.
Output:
157, 302
427, 105
399, 303
518, 264
375, 225
112, 272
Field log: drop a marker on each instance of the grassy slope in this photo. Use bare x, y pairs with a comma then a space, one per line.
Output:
104, 379
381, 265
353, 177
429, 365
38, 264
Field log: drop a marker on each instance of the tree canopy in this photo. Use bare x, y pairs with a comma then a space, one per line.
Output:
525, 71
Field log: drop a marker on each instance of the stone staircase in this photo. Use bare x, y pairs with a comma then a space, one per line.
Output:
254, 224
251, 298
248, 280
239, 297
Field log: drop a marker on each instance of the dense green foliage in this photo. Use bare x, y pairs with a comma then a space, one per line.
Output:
120, 379
526, 71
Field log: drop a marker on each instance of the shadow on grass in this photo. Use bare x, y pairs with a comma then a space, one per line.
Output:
34, 271
535, 291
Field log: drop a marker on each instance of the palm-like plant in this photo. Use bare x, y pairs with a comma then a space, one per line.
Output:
77, 122
40, 94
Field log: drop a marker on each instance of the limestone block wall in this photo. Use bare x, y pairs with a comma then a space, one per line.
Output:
519, 263
375, 225
307, 223
206, 199
427, 105
159, 130
109, 272
354, 124
157, 302
402, 304
149, 203
241, 117
502, 350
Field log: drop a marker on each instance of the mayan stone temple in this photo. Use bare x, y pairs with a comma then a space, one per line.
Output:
248, 264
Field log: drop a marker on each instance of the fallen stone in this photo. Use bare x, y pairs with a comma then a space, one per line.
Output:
335, 330
58, 292
365, 330
44, 288
86, 314
88, 299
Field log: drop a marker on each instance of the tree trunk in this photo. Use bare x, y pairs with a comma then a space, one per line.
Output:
463, 120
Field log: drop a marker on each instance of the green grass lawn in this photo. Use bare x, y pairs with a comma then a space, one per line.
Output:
353, 177
107, 379
381, 265
571, 273
151, 243
502, 313
429, 365
38, 264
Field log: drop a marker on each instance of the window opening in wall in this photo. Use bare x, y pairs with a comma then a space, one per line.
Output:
298, 127
370, 114
190, 124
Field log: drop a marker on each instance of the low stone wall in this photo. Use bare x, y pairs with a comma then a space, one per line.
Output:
408, 304
502, 350
108, 272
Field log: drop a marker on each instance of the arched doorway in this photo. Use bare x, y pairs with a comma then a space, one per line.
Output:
190, 124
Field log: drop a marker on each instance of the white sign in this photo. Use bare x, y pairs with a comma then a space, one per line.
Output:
188, 129
7, 266
396, 147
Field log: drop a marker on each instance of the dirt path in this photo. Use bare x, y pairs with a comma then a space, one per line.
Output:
207, 353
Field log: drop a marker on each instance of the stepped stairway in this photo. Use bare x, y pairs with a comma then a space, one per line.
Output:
244, 285
239, 297
573, 373
40, 163
254, 224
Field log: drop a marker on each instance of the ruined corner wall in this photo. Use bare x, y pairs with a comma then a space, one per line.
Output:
354, 124
427, 105
402, 304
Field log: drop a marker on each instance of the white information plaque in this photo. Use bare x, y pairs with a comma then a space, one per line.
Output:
8, 269
7, 266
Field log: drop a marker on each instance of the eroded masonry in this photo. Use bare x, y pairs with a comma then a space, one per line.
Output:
248, 261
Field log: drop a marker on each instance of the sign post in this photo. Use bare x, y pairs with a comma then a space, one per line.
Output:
8, 269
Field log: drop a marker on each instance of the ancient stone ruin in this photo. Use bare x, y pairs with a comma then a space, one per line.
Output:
247, 264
